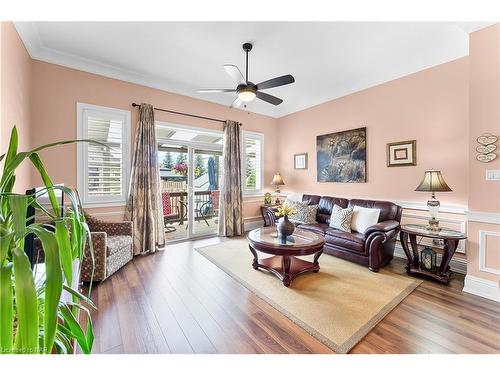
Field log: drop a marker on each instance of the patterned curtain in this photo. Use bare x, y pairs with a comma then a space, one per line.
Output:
231, 209
144, 203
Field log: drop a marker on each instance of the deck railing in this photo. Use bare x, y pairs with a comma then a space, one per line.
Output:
204, 207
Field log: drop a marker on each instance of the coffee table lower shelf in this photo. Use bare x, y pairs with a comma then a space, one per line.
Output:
286, 268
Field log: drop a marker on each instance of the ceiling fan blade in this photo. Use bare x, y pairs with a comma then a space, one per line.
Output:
268, 98
237, 103
275, 82
207, 91
235, 74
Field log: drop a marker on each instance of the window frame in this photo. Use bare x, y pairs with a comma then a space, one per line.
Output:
246, 134
82, 112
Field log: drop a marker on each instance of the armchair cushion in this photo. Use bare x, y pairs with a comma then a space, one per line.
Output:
116, 243
112, 243
383, 226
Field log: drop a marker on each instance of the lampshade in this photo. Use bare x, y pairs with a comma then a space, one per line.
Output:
433, 181
277, 179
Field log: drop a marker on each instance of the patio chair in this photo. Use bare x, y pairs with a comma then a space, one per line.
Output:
169, 216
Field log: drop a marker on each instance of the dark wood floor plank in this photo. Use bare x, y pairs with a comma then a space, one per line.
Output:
192, 330
180, 302
169, 326
260, 335
226, 338
252, 305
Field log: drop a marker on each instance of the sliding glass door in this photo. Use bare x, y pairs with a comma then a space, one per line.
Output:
190, 162
206, 191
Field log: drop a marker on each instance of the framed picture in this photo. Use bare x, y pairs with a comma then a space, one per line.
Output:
402, 154
341, 156
300, 161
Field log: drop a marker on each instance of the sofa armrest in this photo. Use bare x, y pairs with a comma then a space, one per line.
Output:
383, 226
95, 269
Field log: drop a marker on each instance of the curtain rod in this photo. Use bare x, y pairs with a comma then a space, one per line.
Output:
182, 113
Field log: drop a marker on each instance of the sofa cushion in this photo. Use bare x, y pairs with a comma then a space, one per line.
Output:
353, 241
304, 213
363, 218
325, 207
319, 228
311, 199
388, 210
341, 218
115, 244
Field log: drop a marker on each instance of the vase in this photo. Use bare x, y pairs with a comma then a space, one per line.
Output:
285, 227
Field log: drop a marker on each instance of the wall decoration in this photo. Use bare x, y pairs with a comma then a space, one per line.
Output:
341, 157
486, 148
300, 161
402, 154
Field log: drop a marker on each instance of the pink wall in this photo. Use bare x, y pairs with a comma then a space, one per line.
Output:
484, 196
484, 115
57, 89
430, 106
15, 88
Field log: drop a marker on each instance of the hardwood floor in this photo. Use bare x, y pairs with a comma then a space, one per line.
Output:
178, 302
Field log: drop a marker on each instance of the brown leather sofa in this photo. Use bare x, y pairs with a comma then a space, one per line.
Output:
374, 248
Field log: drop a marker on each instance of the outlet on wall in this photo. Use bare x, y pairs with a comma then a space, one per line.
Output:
493, 175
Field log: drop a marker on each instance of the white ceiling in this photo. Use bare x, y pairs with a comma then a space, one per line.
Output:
327, 59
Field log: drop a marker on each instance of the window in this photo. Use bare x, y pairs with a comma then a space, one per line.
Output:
103, 169
253, 162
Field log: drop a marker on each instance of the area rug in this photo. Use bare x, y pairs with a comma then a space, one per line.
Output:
339, 305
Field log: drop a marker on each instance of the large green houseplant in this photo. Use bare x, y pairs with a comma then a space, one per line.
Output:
34, 318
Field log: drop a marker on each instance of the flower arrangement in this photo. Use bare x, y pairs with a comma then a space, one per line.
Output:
180, 168
285, 211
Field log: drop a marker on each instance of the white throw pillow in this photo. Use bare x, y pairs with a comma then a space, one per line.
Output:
341, 218
363, 218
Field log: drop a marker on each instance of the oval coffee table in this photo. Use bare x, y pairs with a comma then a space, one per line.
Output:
284, 263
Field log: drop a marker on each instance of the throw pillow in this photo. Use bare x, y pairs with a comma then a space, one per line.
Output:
341, 218
304, 214
363, 217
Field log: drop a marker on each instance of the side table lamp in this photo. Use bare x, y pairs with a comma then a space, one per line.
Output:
277, 181
433, 182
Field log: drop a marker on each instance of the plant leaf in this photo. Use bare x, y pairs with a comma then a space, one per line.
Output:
37, 162
12, 150
53, 284
26, 303
18, 205
62, 237
79, 295
6, 307
74, 327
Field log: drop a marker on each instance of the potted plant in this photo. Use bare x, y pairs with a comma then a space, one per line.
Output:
285, 227
34, 318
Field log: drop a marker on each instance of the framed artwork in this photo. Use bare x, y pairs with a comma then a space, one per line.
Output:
300, 161
402, 154
341, 156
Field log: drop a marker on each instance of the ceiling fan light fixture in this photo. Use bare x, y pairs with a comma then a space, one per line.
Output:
246, 94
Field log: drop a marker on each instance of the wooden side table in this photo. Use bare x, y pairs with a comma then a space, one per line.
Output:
450, 237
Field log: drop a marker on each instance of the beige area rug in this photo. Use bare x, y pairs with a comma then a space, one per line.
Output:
339, 305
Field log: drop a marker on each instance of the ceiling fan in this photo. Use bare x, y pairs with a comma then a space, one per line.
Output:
246, 90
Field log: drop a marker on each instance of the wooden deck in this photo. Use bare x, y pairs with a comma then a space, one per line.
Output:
179, 302
201, 228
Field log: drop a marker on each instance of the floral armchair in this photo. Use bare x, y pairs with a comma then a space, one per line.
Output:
112, 243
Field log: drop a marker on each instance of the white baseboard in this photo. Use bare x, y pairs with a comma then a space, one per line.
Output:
457, 264
251, 225
483, 288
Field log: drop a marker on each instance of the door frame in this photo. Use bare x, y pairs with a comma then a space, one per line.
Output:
191, 147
